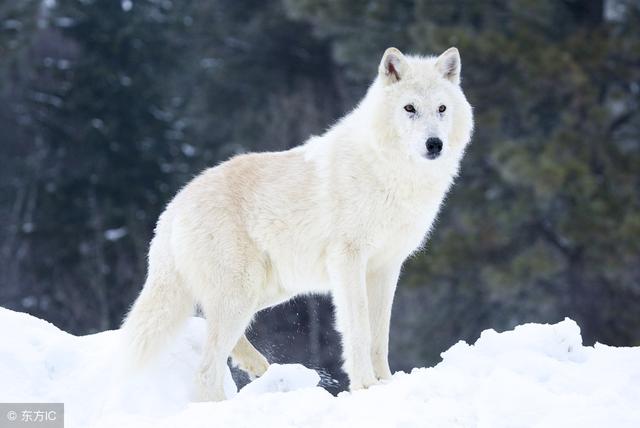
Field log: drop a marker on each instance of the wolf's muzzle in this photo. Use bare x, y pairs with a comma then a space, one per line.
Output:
434, 147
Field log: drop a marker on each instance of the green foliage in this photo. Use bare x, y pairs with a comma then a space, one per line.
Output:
267, 82
111, 130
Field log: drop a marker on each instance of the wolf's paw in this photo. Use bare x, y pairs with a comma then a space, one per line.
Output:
383, 377
256, 367
383, 373
249, 359
204, 394
362, 382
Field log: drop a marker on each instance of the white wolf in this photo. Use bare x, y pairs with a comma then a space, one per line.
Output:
340, 213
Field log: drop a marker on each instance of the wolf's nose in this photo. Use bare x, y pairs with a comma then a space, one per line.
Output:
434, 147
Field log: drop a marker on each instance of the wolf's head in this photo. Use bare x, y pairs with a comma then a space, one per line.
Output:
421, 107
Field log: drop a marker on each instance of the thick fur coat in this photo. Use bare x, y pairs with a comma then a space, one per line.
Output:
339, 214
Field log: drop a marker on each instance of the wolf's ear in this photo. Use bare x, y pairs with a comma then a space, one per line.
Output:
393, 66
448, 64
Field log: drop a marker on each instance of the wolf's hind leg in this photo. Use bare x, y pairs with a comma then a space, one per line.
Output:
225, 327
248, 358
229, 299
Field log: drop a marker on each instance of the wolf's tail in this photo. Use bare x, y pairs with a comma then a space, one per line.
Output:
162, 307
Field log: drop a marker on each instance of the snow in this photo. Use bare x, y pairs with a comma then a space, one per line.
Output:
536, 375
115, 234
65, 22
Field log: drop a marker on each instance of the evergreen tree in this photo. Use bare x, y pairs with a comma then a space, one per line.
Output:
113, 133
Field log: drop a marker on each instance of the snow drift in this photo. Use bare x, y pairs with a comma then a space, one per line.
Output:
533, 376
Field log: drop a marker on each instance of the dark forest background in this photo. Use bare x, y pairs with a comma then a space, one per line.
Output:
108, 107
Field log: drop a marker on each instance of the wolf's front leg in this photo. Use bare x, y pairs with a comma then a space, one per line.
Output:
347, 272
381, 286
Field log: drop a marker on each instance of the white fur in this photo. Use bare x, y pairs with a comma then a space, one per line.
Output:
338, 214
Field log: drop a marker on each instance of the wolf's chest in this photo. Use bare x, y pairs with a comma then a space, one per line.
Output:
399, 225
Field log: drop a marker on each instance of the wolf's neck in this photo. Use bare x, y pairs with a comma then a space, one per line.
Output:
359, 123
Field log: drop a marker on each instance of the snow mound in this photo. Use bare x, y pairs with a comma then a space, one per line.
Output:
533, 376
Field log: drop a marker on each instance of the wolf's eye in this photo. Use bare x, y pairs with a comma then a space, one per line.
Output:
410, 108
442, 108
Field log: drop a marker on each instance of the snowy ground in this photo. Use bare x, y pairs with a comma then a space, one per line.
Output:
533, 376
